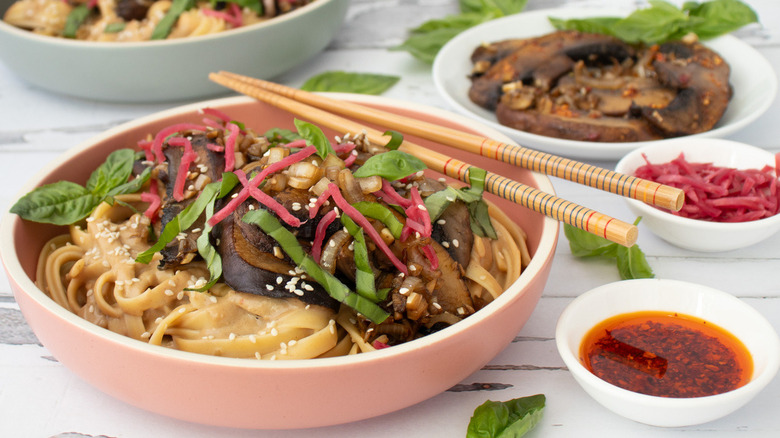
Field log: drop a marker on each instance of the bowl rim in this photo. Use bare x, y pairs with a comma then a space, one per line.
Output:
681, 145
128, 45
581, 374
10, 223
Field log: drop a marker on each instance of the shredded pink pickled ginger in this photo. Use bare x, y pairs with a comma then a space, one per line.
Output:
718, 194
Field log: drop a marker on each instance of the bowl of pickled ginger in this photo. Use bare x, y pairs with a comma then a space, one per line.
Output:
318, 276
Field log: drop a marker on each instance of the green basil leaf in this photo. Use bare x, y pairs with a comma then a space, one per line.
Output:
391, 165
114, 27
74, 20
585, 244
208, 252
506, 7
314, 135
425, 42
165, 25
396, 138
602, 25
632, 263
651, 25
663, 21
61, 203
133, 185
113, 172
480, 220
344, 82
279, 136
719, 17
510, 419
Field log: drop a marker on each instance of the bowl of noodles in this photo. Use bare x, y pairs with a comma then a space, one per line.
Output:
307, 291
122, 50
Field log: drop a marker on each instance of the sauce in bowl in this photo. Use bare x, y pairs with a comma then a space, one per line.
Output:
666, 354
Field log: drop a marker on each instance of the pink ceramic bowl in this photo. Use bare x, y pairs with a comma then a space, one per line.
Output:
271, 394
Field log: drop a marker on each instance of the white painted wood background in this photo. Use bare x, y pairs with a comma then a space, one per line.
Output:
40, 398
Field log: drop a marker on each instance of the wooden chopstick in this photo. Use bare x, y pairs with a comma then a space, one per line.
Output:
593, 176
560, 209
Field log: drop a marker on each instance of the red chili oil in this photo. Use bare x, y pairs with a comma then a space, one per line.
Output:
666, 354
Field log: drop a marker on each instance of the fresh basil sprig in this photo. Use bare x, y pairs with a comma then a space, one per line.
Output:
165, 25
631, 262
663, 21
396, 139
509, 419
314, 135
472, 196
426, 40
347, 82
65, 202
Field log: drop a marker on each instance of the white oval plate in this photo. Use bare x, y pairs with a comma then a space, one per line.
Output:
752, 78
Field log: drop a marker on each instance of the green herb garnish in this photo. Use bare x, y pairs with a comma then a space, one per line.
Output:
364, 275
663, 21
165, 25
74, 20
279, 136
114, 27
396, 138
335, 288
65, 202
314, 135
426, 40
509, 419
391, 165
631, 262
190, 214
381, 213
472, 196
344, 82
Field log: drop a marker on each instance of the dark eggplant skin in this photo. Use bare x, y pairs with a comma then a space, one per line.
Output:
181, 251
242, 271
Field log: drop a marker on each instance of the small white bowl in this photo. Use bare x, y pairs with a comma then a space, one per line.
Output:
717, 307
694, 234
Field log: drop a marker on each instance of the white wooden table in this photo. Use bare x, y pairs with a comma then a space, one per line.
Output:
41, 398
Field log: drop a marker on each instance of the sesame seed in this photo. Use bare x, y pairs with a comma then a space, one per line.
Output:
232, 336
257, 355
169, 292
180, 295
269, 287
441, 221
455, 243
274, 332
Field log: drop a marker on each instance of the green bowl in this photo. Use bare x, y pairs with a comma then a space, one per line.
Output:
169, 70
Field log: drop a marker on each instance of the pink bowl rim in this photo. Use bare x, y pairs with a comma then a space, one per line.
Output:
545, 250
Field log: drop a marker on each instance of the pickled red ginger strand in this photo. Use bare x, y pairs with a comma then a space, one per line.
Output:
715, 193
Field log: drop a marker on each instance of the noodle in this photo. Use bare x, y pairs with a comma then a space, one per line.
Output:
92, 271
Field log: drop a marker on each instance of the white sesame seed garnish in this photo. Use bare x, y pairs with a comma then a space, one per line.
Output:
441, 221
455, 243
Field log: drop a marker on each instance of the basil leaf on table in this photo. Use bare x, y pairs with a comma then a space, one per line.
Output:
345, 82
663, 21
510, 419
631, 262
391, 165
425, 41
314, 135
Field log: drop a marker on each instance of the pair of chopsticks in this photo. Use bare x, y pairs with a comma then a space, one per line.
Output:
315, 108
